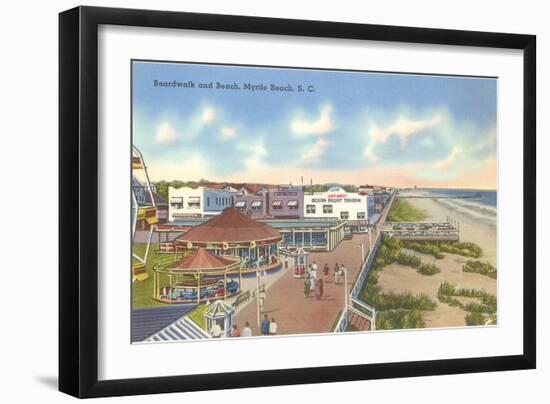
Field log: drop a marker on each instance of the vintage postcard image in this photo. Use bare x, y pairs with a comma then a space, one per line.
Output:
270, 201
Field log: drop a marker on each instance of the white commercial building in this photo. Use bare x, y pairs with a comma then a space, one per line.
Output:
336, 203
186, 202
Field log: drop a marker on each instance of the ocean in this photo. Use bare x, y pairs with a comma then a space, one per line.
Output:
479, 204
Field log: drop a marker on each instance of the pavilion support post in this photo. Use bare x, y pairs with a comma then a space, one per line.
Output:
199, 289
225, 285
240, 277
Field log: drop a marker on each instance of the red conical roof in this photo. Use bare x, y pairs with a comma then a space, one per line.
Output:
229, 226
203, 259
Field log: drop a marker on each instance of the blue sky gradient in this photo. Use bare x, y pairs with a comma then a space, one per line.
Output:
355, 127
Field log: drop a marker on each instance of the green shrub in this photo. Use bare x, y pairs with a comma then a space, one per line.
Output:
409, 260
399, 320
464, 248
479, 313
476, 319
392, 301
437, 248
484, 268
428, 269
424, 247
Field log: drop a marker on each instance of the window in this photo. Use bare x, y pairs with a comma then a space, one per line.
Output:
207, 201
176, 202
277, 204
327, 208
292, 204
344, 215
194, 202
310, 208
360, 215
256, 205
240, 204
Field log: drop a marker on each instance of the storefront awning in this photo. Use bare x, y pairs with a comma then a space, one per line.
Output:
256, 204
176, 199
292, 203
277, 203
240, 204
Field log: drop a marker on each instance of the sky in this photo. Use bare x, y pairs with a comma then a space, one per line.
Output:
343, 127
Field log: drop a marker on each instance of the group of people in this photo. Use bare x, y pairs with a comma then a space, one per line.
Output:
246, 332
313, 282
216, 331
266, 327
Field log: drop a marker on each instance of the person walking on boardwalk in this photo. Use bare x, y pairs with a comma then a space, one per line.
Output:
326, 270
306, 287
319, 289
265, 325
312, 283
273, 327
247, 332
313, 271
235, 331
341, 270
336, 272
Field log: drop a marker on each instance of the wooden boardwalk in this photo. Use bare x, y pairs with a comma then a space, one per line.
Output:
295, 313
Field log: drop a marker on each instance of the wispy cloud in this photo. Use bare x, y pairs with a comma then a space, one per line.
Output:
255, 155
448, 161
165, 133
228, 132
403, 128
209, 114
323, 124
316, 150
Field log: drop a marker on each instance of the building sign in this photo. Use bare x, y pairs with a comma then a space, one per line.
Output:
336, 198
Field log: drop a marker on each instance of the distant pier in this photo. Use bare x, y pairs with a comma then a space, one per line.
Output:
476, 196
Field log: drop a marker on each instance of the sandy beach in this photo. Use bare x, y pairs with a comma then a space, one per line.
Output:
398, 278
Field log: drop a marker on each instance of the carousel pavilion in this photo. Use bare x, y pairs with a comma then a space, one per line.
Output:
232, 233
200, 276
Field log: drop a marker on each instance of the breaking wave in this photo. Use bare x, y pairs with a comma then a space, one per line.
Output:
472, 208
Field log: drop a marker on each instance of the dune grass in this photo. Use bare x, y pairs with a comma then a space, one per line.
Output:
428, 269
438, 248
404, 211
483, 268
482, 312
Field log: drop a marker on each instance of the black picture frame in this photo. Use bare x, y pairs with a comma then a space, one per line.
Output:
78, 196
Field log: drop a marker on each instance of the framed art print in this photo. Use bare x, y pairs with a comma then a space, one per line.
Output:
250, 201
